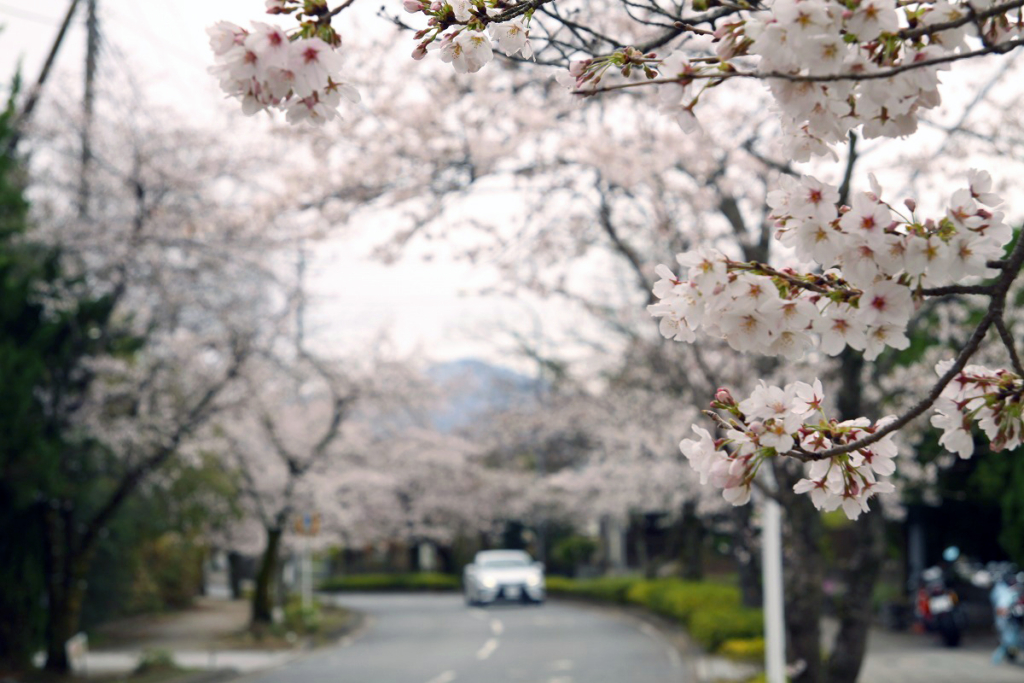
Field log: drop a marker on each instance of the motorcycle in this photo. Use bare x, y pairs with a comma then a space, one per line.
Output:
1016, 616
938, 608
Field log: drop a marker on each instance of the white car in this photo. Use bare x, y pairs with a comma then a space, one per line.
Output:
503, 575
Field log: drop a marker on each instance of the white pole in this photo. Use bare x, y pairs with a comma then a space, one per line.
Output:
771, 574
307, 575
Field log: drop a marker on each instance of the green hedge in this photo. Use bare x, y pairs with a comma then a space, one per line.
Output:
606, 589
680, 600
712, 628
711, 612
751, 649
392, 582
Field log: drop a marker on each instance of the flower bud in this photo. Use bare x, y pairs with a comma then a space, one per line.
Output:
577, 67
910, 204
723, 396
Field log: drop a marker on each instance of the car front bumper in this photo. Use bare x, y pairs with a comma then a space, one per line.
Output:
513, 593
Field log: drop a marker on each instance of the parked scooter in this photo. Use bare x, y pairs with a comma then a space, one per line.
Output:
1008, 604
938, 607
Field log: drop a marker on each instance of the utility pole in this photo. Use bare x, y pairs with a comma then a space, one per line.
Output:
300, 303
37, 89
91, 49
542, 465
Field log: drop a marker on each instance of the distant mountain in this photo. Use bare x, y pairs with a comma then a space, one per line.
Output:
472, 388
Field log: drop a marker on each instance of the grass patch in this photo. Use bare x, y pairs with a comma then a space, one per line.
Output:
314, 626
421, 581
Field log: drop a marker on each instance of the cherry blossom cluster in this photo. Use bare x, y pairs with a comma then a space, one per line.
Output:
875, 263
266, 68
823, 38
831, 65
776, 421
462, 31
992, 398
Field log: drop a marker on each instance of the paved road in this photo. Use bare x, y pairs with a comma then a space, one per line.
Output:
437, 639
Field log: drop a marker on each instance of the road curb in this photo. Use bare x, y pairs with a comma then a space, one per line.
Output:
342, 637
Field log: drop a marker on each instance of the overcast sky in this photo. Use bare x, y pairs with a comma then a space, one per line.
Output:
354, 299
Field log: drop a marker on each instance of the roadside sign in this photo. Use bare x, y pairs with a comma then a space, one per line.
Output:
308, 524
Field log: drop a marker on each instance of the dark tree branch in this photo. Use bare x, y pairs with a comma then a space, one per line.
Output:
198, 414
851, 161
1011, 345
995, 312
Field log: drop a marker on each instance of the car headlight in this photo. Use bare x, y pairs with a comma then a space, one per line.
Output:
488, 582
534, 580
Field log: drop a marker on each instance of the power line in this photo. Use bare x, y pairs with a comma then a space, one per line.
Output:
28, 14
33, 98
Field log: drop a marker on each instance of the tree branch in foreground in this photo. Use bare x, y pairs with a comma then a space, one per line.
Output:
994, 314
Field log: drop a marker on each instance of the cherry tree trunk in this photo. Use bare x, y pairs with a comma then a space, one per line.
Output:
747, 554
235, 574
803, 575
263, 596
692, 554
805, 565
855, 610
862, 570
67, 569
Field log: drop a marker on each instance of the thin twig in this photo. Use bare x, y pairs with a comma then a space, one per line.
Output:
985, 290
772, 272
972, 17
1010, 344
338, 10
1000, 48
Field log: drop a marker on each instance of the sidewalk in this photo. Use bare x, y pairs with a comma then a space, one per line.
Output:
193, 637
913, 658
896, 657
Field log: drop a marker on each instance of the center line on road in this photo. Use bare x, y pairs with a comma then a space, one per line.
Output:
497, 628
650, 631
674, 658
488, 649
446, 677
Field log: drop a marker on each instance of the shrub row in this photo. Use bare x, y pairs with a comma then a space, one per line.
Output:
423, 581
710, 612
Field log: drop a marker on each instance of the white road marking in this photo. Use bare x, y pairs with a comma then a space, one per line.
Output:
671, 652
561, 665
560, 679
497, 628
488, 649
446, 677
478, 613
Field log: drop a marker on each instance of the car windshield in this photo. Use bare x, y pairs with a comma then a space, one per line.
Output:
504, 562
